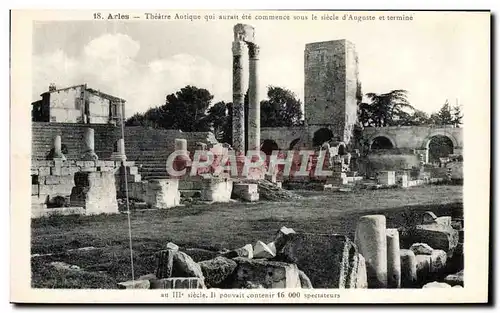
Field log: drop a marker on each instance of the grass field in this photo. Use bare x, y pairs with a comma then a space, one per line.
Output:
211, 227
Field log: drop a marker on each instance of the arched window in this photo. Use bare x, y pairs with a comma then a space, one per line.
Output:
380, 143
321, 136
439, 147
268, 146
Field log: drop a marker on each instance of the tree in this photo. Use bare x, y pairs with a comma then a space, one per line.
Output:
384, 109
457, 115
185, 110
416, 118
443, 116
218, 119
281, 109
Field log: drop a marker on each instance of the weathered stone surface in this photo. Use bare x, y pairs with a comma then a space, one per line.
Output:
164, 263
178, 283
184, 266
436, 284
262, 251
438, 261
272, 247
216, 189
269, 274
199, 255
147, 277
136, 284
172, 246
372, 244
95, 191
161, 193
245, 252
444, 220
423, 267
393, 259
328, 260
305, 282
408, 268
217, 270
437, 236
362, 279
281, 237
455, 279
428, 217
421, 248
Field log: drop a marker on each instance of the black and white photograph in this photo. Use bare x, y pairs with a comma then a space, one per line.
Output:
256, 156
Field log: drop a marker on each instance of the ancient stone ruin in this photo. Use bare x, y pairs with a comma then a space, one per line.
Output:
425, 255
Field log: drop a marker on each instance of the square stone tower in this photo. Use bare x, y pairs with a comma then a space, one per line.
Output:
331, 86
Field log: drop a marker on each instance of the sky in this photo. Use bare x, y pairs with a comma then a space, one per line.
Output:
432, 56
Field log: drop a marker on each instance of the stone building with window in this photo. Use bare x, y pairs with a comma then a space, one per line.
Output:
77, 104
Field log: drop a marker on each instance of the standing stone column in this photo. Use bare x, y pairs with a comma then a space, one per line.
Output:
372, 244
57, 154
119, 153
238, 98
253, 100
88, 141
393, 259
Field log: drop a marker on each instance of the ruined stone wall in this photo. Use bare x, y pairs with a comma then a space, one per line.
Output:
98, 109
65, 106
415, 137
331, 73
284, 136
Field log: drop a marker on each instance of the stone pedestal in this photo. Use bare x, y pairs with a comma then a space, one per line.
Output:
119, 152
393, 259
95, 192
238, 98
216, 189
88, 141
162, 193
372, 244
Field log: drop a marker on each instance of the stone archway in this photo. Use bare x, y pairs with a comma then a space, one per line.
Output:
321, 136
268, 146
293, 143
381, 143
438, 146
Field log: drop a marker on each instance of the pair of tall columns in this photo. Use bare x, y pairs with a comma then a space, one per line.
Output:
239, 97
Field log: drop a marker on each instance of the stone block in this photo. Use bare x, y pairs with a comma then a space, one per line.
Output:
245, 188
172, 246
162, 193
137, 284
408, 268
282, 237
216, 189
34, 190
421, 248
436, 284
56, 171
328, 260
55, 190
268, 274
178, 283
245, 252
164, 263
387, 178
455, 279
438, 261
199, 255
184, 266
437, 236
95, 191
444, 220
305, 282
217, 270
262, 251
88, 169
423, 267
45, 212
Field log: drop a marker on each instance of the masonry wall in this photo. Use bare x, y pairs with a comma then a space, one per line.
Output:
98, 109
283, 136
416, 137
65, 105
331, 74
